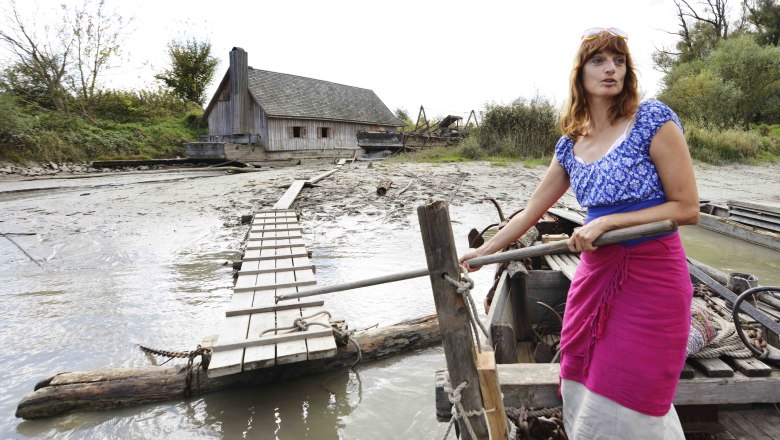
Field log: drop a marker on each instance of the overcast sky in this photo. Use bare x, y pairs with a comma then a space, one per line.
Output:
450, 56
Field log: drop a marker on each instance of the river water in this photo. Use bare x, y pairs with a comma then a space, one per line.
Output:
141, 259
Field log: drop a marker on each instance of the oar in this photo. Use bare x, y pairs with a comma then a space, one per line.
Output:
558, 247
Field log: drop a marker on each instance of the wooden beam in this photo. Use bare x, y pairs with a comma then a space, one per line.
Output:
275, 257
273, 308
273, 339
273, 246
254, 229
440, 253
536, 386
491, 395
274, 286
276, 269
289, 196
273, 238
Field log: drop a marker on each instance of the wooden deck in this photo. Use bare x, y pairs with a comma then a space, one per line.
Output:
276, 262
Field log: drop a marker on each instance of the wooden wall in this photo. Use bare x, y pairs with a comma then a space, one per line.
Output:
342, 134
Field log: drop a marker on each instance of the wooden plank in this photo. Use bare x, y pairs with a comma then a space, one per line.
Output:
687, 372
276, 221
261, 356
501, 319
751, 367
491, 395
276, 269
274, 212
231, 361
276, 286
755, 223
769, 218
525, 352
292, 351
273, 308
772, 208
275, 257
289, 196
259, 237
536, 385
269, 340
713, 367
723, 226
441, 256
274, 246
317, 348
260, 228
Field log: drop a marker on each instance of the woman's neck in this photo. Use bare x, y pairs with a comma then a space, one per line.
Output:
599, 113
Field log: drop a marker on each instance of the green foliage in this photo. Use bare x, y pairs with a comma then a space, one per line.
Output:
523, 129
738, 84
728, 146
139, 106
192, 69
127, 126
764, 15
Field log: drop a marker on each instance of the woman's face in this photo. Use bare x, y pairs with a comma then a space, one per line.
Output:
603, 74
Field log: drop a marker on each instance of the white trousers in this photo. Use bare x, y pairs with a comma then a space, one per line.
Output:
590, 416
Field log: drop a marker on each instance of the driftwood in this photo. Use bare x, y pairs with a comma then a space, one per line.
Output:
102, 390
383, 186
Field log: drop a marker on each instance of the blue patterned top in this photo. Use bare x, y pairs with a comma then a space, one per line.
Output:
626, 174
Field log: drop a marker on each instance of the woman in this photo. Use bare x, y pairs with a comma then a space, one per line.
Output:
628, 310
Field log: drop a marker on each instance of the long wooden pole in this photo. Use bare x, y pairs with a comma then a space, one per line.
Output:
457, 338
559, 247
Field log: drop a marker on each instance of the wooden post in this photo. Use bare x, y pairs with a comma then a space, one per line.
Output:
491, 395
456, 334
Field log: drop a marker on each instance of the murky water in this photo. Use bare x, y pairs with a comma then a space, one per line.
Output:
142, 262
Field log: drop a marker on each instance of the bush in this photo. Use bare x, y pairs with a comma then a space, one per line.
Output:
470, 149
523, 129
726, 146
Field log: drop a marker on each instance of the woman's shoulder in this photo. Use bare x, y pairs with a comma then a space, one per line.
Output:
655, 113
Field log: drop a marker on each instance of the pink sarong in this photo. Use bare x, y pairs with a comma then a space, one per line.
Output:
626, 324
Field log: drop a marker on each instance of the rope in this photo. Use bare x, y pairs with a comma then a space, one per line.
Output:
713, 336
464, 289
302, 324
299, 324
457, 408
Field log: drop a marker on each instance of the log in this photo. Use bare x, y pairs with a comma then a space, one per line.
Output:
108, 389
383, 186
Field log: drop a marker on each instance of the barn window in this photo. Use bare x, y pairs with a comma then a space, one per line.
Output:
297, 132
323, 132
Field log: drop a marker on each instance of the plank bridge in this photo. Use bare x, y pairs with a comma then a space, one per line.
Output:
260, 331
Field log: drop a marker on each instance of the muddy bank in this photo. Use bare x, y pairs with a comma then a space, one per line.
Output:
353, 190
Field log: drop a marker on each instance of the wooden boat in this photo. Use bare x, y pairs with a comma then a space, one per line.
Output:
524, 322
749, 221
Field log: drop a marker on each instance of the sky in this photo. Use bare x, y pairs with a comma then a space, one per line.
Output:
449, 56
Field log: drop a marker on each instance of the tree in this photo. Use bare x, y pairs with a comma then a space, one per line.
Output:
701, 28
68, 59
191, 71
764, 15
41, 62
737, 84
96, 40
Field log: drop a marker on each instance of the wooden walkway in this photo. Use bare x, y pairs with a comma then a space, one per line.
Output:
257, 331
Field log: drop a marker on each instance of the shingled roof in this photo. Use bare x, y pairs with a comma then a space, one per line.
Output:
292, 96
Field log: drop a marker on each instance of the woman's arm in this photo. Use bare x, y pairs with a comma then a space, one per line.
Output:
670, 155
554, 183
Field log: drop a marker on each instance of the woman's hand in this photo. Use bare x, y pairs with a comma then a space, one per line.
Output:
471, 253
582, 239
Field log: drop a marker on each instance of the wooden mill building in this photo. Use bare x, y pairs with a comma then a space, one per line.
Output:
259, 115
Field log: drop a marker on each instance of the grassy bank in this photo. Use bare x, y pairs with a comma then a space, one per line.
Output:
713, 146
121, 126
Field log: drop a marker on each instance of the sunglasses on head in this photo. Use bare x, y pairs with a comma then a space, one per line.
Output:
592, 33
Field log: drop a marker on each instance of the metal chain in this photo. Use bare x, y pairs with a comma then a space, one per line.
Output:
190, 356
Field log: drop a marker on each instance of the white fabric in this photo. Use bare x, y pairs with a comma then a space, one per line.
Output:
615, 144
590, 416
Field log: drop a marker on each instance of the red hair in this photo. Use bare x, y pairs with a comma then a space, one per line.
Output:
576, 117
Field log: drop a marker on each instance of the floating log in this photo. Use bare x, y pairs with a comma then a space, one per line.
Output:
107, 389
383, 186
